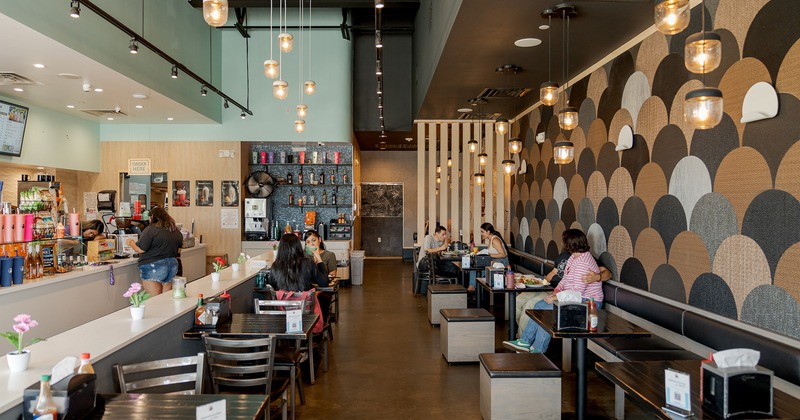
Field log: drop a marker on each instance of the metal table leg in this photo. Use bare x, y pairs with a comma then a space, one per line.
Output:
512, 316
580, 395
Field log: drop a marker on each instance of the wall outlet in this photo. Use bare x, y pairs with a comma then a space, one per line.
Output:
224, 153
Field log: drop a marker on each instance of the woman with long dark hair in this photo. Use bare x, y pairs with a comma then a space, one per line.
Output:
292, 271
158, 248
314, 242
497, 247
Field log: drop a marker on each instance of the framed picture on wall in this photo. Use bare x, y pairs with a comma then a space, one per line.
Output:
204, 191
180, 194
230, 194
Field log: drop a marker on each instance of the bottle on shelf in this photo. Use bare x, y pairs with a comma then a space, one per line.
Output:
45, 408
321, 177
86, 364
300, 177
289, 178
287, 228
344, 178
201, 315
324, 196
301, 201
333, 198
291, 198
30, 263
310, 176
592, 315
312, 200
333, 177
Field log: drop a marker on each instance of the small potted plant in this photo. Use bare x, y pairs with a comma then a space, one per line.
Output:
137, 296
18, 359
239, 261
219, 264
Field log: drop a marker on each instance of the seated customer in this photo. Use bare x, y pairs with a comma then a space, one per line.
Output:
292, 271
496, 248
432, 243
93, 229
536, 339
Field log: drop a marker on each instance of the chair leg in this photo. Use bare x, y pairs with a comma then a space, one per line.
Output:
325, 351
292, 384
300, 389
311, 359
284, 415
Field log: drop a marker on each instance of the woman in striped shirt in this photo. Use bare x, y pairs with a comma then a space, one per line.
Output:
534, 338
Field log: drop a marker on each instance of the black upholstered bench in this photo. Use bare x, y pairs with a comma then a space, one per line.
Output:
519, 386
523, 262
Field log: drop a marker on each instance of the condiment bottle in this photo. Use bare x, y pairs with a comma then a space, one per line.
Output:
509, 278
201, 316
86, 365
45, 408
592, 315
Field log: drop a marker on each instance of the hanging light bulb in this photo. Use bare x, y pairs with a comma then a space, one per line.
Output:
271, 68
438, 169
449, 162
483, 158
311, 87
568, 118
299, 126
508, 166
280, 89
703, 108
215, 12
515, 145
671, 16
479, 178
438, 180
563, 152
473, 145
501, 126
703, 52
302, 110
548, 93
285, 41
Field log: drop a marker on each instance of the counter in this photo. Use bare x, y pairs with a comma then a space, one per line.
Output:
116, 338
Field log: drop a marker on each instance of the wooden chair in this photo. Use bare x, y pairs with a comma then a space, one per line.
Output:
244, 366
180, 375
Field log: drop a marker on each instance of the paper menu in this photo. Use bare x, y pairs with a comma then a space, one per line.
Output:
677, 386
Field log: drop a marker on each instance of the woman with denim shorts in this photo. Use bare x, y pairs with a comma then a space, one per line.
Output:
158, 248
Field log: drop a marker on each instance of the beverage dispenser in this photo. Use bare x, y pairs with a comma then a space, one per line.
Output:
255, 219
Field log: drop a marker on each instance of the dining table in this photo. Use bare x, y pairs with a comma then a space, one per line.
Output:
609, 326
251, 324
511, 307
173, 406
464, 272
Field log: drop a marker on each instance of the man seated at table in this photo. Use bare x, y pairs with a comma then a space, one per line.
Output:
437, 242
527, 300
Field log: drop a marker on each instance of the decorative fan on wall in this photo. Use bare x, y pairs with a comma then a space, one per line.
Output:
260, 184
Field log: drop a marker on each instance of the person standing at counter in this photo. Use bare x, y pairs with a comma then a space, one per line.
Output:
158, 248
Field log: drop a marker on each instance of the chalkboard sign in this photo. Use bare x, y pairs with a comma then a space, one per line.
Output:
48, 258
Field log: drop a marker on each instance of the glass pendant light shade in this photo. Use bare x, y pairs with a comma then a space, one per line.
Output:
449, 162
515, 145
548, 93
438, 180
563, 152
479, 178
285, 42
671, 16
483, 158
703, 52
299, 126
311, 87
271, 68
703, 108
473, 145
501, 126
215, 12
508, 166
302, 110
280, 89
568, 118
438, 169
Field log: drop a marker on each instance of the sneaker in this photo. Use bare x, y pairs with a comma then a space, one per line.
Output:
533, 350
517, 345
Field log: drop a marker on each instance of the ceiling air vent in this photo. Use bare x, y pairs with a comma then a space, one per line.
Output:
104, 112
8, 78
477, 117
504, 93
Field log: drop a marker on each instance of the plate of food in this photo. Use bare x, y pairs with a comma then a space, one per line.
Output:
533, 282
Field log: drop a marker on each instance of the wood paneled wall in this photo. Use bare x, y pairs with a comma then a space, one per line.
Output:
11, 173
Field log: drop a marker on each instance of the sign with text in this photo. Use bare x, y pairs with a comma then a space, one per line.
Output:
139, 166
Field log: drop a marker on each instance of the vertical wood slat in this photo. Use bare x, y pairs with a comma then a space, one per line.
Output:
453, 185
466, 175
500, 185
431, 179
490, 176
420, 182
443, 188
476, 191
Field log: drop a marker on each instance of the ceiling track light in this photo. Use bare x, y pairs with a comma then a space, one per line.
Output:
225, 104
75, 9
204, 91
378, 68
378, 39
174, 73
243, 115
134, 46
379, 4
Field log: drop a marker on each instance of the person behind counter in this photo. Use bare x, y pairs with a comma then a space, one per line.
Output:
92, 230
158, 248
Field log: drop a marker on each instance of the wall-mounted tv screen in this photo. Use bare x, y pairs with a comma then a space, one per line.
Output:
13, 119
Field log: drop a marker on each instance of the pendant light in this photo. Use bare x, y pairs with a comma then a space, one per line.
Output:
479, 178
702, 108
703, 50
271, 66
501, 126
515, 145
215, 12
280, 89
563, 152
472, 144
302, 109
671, 16
508, 166
483, 158
299, 126
285, 39
567, 116
548, 91
309, 84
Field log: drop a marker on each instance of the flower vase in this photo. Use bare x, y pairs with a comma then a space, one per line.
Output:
137, 312
18, 362
235, 266
215, 276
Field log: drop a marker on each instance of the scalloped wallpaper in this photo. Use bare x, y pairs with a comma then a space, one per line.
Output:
710, 218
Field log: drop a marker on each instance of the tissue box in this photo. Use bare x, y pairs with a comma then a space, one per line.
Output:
74, 396
570, 316
732, 391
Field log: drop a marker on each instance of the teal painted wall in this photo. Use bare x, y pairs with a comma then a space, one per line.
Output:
431, 28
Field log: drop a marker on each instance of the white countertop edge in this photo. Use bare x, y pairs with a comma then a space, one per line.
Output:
110, 333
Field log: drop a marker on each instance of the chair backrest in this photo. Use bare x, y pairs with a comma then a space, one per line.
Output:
431, 264
274, 307
308, 298
236, 364
181, 375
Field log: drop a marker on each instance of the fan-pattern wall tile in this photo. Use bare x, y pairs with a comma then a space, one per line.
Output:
706, 217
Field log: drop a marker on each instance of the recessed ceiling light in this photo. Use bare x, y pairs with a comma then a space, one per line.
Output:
527, 42
110, 118
139, 106
68, 76
98, 89
544, 27
40, 167
19, 89
71, 106
139, 96
170, 118
39, 66
464, 109
409, 139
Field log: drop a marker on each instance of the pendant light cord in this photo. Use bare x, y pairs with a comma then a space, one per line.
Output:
549, 46
300, 77
247, 63
270, 29
703, 36
309, 40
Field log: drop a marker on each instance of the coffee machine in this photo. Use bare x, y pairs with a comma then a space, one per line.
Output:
255, 219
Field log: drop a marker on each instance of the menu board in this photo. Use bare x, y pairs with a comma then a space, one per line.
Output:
48, 258
13, 119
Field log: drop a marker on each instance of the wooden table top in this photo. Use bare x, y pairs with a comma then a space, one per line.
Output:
644, 382
609, 325
257, 324
152, 406
485, 285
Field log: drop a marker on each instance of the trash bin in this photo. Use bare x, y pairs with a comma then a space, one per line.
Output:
357, 267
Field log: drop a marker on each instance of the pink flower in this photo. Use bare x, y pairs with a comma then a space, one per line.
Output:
21, 327
135, 287
128, 294
23, 318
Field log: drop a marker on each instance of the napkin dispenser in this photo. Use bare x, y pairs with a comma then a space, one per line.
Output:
482, 261
73, 395
220, 309
733, 391
570, 316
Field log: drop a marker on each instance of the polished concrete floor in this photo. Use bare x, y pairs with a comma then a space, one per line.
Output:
386, 362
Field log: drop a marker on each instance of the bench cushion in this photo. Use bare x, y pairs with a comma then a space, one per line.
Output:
654, 310
518, 365
522, 261
654, 355
645, 344
446, 288
466, 315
